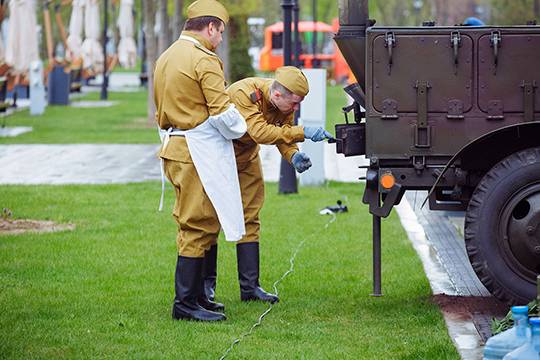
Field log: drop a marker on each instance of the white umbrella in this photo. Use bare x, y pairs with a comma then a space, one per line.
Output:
127, 49
74, 39
92, 52
2, 49
22, 41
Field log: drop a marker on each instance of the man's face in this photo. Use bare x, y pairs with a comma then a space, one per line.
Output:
216, 34
287, 104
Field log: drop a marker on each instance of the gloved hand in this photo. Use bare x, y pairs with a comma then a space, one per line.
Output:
316, 133
301, 161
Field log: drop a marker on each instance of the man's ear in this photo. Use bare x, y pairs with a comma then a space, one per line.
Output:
210, 28
278, 93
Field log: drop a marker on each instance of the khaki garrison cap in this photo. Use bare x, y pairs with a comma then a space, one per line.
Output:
293, 79
208, 8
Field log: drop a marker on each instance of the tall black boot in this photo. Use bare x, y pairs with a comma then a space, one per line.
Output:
247, 255
188, 288
209, 279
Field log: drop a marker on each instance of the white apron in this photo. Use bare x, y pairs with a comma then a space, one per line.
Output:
215, 162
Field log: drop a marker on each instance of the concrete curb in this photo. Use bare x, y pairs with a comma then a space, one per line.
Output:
462, 331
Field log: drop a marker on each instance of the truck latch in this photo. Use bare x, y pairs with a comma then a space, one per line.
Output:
390, 43
496, 40
455, 40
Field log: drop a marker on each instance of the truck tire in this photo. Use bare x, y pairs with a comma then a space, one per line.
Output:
502, 227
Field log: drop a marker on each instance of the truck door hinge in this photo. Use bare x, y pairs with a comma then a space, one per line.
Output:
390, 109
455, 110
495, 110
529, 89
422, 134
390, 44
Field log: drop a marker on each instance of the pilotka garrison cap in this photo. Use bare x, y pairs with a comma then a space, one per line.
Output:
293, 79
208, 8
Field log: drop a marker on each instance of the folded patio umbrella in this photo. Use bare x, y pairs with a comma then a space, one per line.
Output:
74, 39
22, 40
92, 51
2, 50
127, 49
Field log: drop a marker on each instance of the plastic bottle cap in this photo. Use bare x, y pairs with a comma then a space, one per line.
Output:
534, 321
520, 309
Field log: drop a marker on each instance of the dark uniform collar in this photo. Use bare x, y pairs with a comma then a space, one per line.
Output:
204, 42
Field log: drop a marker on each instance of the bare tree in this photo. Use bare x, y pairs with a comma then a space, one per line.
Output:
163, 39
178, 19
151, 52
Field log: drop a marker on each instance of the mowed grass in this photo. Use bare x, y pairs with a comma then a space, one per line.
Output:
123, 123
336, 99
105, 289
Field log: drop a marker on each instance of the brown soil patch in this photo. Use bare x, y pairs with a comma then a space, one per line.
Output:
471, 305
480, 310
14, 227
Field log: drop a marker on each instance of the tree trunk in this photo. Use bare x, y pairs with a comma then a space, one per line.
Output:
239, 59
223, 53
178, 19
151, 53
163, 38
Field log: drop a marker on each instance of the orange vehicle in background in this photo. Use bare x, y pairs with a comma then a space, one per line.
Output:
328, 56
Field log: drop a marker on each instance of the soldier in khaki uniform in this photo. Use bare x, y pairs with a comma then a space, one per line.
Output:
197, 123
268, 107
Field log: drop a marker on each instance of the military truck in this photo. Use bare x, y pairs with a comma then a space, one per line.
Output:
453, 110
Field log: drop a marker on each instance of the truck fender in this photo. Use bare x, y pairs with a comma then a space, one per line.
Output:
533, 126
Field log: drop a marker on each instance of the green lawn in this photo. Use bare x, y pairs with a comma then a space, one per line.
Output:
122, 123
105, 289
336, 99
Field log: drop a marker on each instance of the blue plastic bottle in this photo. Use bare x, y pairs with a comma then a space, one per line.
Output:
531, 349
501, 344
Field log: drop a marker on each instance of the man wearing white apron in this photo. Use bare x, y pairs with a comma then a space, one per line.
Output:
197, 124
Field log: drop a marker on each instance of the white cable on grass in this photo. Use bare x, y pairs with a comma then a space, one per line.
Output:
271, 306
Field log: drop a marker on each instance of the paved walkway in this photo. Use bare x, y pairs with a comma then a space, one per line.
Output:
440, 246
102, 164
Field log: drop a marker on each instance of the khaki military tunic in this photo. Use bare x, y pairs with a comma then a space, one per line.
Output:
265, 125
189, 87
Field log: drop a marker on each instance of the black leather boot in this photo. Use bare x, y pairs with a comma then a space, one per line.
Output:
247, 255
209, 279
188, 289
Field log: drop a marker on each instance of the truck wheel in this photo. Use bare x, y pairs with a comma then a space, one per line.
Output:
502, 227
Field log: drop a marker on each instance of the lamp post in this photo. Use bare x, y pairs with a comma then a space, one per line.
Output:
314, 62
287, 174
297, 45
105, 84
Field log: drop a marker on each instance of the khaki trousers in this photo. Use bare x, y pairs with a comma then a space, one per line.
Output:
198, 225
252, 189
